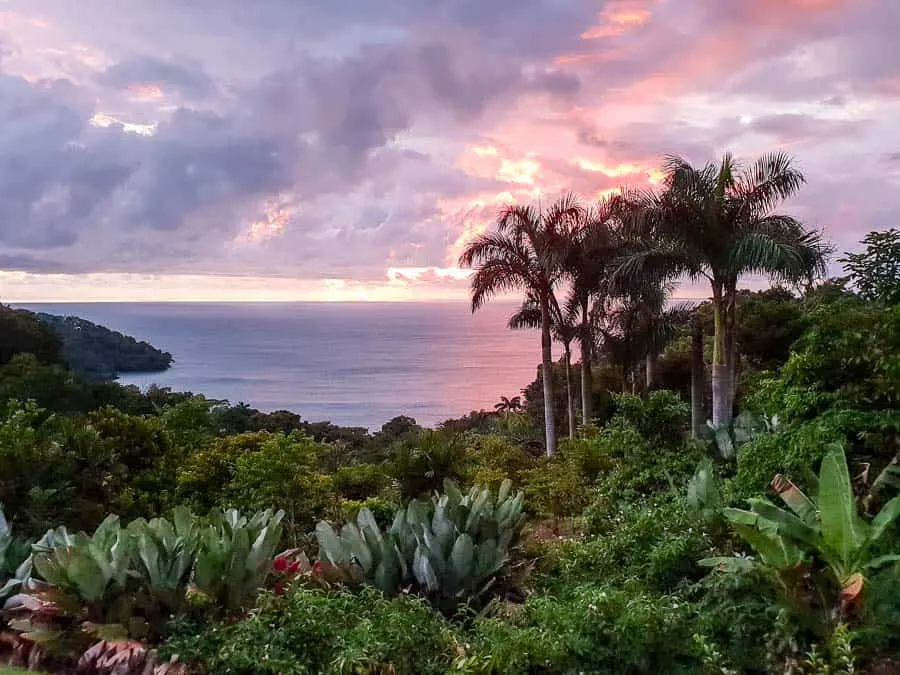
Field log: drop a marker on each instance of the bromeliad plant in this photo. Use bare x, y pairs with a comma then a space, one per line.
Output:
162, 558
451, 550
823, 541
235, 556
13, 551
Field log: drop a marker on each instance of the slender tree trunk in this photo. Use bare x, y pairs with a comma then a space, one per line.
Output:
698, 380
651, 361
731, 353
587, 385
570, 393
721, 414
547, 372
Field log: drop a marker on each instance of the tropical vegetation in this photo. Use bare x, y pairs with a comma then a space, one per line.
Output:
164, 532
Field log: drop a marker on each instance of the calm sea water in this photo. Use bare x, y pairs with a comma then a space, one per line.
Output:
356, 364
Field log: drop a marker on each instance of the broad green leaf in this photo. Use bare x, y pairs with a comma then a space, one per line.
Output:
463, 556
505, 489
772, 549
883, 560
842, 531
786, 524
796, 501
888, 478
330, 546
888, 514
87, 577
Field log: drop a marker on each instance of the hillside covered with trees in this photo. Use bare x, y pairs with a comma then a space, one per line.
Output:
93, 351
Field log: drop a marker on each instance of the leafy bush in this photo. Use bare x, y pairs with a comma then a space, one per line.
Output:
163, 555
556, 489
661, 416
735, 613
359, 482
283, 474
381, 509
492, 459
589, 629
791, 452
311, 631
204, 478
656, 543
421, 461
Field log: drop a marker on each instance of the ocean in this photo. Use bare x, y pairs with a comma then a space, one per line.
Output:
355, 364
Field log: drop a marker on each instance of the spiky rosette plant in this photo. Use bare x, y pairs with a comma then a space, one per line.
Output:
450, 550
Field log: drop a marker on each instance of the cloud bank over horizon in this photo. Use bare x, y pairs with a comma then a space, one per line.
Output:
346, 150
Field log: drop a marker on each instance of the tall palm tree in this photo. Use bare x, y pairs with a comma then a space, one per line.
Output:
717, 223
564, 330
593, 247
524, 252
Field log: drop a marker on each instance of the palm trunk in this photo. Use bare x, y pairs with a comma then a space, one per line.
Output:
731, 355
587, 386
698, 381
721, 379
651, 360
547, 372
570, 394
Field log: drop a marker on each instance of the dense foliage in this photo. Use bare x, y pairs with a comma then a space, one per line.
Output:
251, 542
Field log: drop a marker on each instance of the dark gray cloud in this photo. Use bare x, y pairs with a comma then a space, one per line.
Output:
188, 80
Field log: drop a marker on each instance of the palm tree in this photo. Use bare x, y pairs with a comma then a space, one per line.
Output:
653, 325
509, 405
524, 252
564, 331
594, 246
716, 222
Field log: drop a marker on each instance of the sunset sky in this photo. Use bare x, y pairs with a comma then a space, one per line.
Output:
345, 149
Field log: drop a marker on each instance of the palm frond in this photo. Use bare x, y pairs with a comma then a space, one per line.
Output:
496, 278
772, 178
649, 264
528, 316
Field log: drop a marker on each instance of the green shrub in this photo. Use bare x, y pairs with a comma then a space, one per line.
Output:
492, 459
422, 460
235, 556
382, 510
283, 474
556, 489
656, 543
793, 452
204, 478
880, 622
647, 471
590, 629
661, 416
311, 631
737, 614
359, 482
